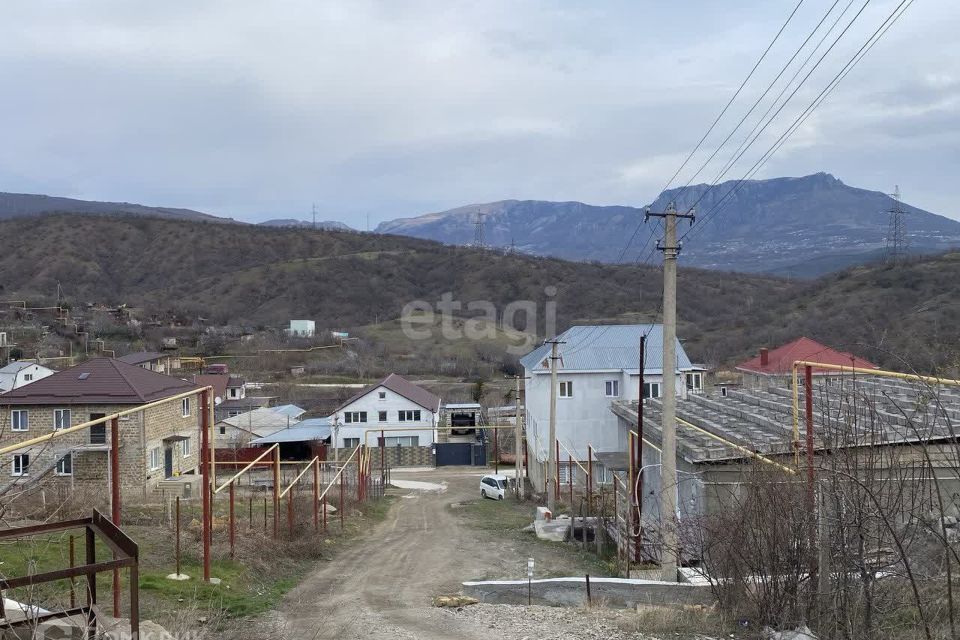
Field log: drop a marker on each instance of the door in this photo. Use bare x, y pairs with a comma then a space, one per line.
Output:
98, 432
168, 462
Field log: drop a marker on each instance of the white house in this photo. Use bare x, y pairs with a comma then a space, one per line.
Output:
598, 365
20, 372
408, 414
302, 328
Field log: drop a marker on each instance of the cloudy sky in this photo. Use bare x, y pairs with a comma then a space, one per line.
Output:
384, 109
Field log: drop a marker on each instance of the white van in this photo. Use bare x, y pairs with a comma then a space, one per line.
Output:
494, 486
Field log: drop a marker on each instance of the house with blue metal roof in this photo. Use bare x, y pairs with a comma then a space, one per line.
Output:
597, 366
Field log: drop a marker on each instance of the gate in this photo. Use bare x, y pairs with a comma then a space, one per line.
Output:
459, 453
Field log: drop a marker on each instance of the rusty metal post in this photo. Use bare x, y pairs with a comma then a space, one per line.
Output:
73, 592
290, 513
264, 514
177, 535
496, 451
115, 502
342, 473
359, 473
811, 490
557, 470
324, 514
205, 473
570, 478
276, 491
134, 601
233, 526
250, 512
91, 557
316, 493
383, 457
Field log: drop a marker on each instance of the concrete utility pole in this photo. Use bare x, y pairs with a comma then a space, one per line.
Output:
668, 469
517, 444
551, 449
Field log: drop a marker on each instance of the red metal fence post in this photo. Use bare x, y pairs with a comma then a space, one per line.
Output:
316, 493
205, 479
232, 525
115, 501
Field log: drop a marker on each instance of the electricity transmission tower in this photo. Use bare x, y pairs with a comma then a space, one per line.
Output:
897, 232
478, 240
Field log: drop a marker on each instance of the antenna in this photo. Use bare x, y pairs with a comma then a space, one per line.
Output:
478, 240
896, 232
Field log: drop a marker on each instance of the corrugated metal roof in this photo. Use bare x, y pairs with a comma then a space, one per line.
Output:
291, 410
606, 347
310, 429
260, 418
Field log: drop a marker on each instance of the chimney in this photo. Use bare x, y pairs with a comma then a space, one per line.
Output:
764, 356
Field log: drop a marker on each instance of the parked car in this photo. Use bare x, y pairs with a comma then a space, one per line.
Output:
493, 486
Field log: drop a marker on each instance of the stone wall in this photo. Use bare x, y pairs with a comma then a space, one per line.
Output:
139, 434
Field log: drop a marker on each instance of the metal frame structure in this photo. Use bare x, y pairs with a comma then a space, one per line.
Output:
126, 555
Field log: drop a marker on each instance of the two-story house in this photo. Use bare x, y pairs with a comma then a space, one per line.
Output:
407, 414
597, 365
155, 443
21, 372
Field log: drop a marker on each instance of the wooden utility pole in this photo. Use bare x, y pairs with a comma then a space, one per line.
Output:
552, 489
668, 469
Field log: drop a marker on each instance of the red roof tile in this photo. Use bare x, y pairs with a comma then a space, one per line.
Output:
98, 381
780, 360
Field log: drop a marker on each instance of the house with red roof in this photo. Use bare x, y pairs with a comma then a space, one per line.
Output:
155, 444
773, 366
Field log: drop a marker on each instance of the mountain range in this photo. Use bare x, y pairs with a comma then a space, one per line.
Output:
802, 227
15, 205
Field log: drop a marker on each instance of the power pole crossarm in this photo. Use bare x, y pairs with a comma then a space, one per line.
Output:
668, 468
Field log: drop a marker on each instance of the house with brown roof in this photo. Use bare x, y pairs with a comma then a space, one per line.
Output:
407, 413
156, 443
153, 360
773, 367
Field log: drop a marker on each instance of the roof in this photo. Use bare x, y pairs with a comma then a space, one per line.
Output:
312, 429
462, 405
291, 410
258, 419
780, 360
248, 403
99, 381
235, 381
216, 380
605, 348
17, 366
10, 373
401, 386
139, 357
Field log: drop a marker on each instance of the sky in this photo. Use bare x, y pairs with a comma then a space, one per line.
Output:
375, 110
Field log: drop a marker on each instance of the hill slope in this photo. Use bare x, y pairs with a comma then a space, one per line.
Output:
790, 226
262, 276
306, 224
14, 205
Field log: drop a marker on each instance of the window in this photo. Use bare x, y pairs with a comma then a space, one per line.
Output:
61, 418
651, 389
185, 407
355, 416
566, 389
155, 458
234, 392
65, 465
27, 377
408, 415
21, 463
185, 448
612, 388
223, 429
382, 416
233, 413
401, 441
19, 420
98, 432
694, 381
382, 395
351, 443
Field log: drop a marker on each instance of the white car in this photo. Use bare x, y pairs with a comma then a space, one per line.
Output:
494, 486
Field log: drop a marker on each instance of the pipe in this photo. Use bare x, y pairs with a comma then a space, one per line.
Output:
752, 454
316, 491
205, 490
246, 468
115, 501
232, 524
303, 472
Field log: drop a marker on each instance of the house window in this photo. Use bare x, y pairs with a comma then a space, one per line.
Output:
27, 377
21, 463
651, 389
185, 407
401, 441
19, 420
382, 395
382, 416
223, 429
65, 465
351, 443
694, 381
234, 392
612, 388
408, 415
61, 418
566, 389
355, 416
155, 458
233, 413
185, 448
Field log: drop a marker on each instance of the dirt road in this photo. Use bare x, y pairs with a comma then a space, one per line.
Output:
383, 585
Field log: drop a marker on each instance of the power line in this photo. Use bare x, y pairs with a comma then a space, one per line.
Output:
875, 37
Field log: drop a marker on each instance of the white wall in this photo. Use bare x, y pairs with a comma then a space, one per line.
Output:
391, 403
15, 381
585, 419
